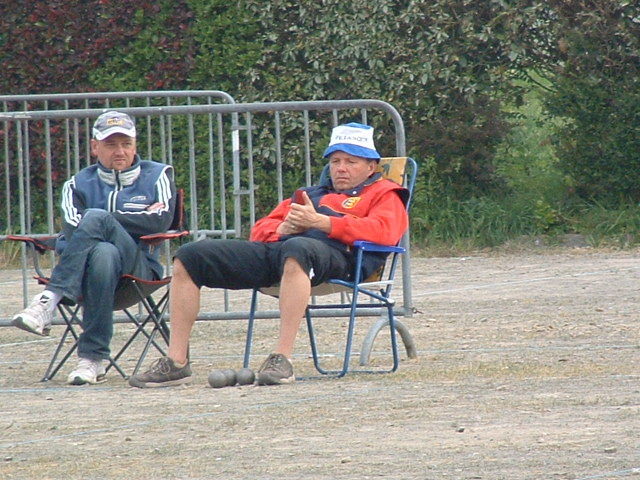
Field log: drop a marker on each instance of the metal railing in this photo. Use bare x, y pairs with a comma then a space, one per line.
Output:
235, 160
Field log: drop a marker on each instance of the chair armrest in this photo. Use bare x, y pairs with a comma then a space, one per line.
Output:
40, 243
376, 247
156, 238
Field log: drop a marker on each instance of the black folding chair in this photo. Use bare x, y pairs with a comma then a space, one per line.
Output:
131, 292
377, 287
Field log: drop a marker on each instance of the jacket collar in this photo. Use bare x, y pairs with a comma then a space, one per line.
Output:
124, 178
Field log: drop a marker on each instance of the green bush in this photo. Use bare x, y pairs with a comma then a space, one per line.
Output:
599, 143
526, 160
596, 90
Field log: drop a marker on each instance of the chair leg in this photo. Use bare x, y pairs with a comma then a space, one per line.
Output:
113, 363
394, 340
390, 320
348, 342
312, 342
350, 332
155, 315
250, 324
69, 315
53, 368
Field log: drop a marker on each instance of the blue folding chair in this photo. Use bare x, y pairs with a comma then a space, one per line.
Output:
377, 288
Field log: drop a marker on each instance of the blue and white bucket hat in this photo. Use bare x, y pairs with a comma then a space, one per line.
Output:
354, 139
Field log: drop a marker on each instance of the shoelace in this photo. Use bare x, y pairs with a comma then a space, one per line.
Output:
274, 362
88, 365
161, 366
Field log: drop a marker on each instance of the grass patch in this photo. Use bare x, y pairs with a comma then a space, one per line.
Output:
10, 254
453, 227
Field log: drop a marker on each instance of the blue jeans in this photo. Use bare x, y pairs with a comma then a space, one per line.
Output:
98, 253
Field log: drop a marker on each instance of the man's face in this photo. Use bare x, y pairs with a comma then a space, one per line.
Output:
116, 152
348, 171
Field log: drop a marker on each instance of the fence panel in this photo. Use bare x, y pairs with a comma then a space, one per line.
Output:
234, 160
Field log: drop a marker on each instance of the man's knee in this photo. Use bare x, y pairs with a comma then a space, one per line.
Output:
94, 215
103, 254
104, 260
96, 222
179, 273
297, 248
292, 265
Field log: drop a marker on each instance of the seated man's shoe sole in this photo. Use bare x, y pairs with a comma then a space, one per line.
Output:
78, 380
88, 372
134, 382
20, 323
162, 373
276, 370
266, 379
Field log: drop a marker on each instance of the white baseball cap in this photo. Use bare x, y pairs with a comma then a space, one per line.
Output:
113, 122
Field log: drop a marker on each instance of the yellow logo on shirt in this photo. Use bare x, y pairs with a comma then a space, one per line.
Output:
350, 202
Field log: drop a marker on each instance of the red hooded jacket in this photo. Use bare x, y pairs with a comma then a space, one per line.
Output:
373, 211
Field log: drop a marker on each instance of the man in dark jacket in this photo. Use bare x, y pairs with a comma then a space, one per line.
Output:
303, 242
106, 208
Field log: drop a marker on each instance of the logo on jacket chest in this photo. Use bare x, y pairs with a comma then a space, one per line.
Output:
136, 203
350, 202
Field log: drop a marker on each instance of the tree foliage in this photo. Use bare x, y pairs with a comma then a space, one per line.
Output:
596, 87
448, 66
62, 46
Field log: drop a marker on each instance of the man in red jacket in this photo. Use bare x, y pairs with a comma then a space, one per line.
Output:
303, 242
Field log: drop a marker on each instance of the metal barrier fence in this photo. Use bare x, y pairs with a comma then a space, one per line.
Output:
234, 160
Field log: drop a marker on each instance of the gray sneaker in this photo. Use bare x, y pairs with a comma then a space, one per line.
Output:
162, 373
275, 370
36, 318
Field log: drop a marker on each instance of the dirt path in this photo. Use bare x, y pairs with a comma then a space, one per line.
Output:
528, 368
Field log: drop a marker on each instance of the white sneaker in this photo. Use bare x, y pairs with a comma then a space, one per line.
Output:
36, 318
87, 371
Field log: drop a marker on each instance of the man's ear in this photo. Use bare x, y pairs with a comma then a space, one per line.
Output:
93, 145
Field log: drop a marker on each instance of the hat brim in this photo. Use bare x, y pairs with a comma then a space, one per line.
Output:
110, 131
351, 149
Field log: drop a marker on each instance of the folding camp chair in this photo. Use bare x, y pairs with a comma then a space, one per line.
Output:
130, 292
403, 171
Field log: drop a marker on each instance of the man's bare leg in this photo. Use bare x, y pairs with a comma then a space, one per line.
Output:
184, 305
295, 290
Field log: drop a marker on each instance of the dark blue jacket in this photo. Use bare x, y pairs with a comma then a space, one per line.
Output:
125, 194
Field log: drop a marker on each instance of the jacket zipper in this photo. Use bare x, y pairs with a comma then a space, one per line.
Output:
113, 196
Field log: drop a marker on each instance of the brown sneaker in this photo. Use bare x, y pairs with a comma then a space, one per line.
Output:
162, 373
275, 370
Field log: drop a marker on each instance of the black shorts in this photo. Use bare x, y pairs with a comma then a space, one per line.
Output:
240, 264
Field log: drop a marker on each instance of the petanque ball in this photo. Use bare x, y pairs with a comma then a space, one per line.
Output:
217, 379
230, 373
245, 376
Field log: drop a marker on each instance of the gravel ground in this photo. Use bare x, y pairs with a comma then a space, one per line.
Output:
528, 368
